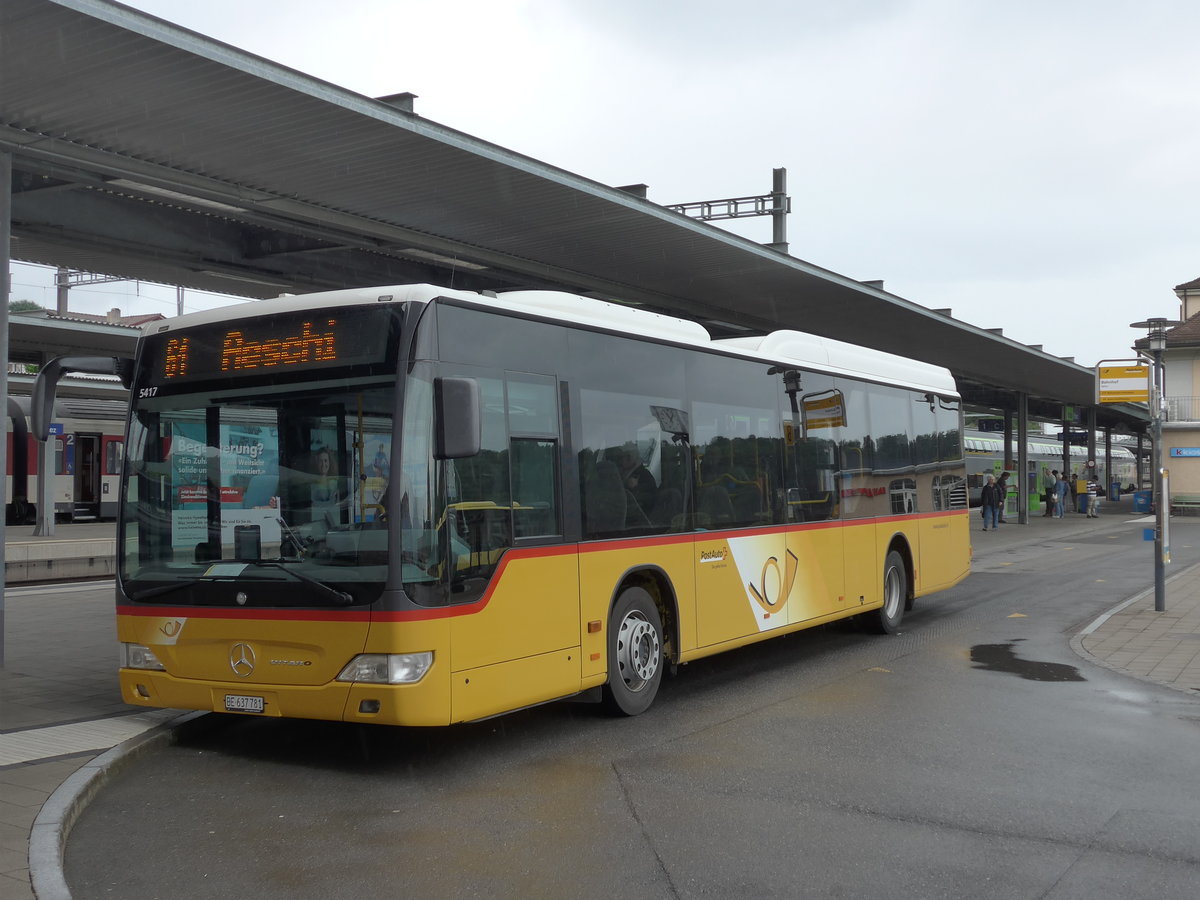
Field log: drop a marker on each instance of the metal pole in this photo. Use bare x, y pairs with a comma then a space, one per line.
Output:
779, 210
1141, 455
1108, 466
1021, 475
5, 261
1156, 343
1066, 451
62, 280
1160, 502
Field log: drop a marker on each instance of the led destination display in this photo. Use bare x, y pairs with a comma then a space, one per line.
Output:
278, 344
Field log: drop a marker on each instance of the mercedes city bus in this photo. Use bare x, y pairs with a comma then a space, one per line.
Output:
421, 506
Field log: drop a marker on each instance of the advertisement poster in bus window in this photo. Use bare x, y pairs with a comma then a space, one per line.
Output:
250, 480
249, 466
372, 477
186, 450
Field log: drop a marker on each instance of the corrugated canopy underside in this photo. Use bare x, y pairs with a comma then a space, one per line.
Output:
144, 150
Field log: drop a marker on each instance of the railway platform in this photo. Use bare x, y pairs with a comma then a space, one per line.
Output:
64, 728
77, 550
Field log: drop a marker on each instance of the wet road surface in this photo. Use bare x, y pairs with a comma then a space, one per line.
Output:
972, 755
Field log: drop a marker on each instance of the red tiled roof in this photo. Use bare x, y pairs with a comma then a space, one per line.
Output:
1186, 334
136, 321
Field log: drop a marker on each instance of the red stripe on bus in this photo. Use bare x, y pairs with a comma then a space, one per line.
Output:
466, 609
272, 615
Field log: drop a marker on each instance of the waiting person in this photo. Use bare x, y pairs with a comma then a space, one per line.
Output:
1062, 491
1049, 477
1093, 498
1002, 495
988, 498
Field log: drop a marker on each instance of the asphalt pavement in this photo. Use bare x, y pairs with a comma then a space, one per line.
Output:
64, 729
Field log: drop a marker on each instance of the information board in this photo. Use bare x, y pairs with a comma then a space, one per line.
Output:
1122, 381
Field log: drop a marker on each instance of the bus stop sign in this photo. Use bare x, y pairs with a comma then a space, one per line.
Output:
1122, 381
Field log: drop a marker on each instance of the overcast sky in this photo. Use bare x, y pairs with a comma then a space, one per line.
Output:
1027, 164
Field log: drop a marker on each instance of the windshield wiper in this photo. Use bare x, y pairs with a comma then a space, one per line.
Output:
339, 597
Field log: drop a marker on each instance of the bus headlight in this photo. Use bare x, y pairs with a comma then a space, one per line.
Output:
387, 668
139, 656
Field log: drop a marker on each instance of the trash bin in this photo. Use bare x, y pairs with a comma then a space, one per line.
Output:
1083, 503
1114, 491
1142, 501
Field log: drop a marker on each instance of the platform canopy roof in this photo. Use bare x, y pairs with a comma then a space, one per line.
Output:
145, 150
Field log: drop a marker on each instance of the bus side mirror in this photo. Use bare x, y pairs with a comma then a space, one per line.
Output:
457, 427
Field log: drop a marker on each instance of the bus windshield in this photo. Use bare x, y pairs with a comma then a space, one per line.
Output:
277, 492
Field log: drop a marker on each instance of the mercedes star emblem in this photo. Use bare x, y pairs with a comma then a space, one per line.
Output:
241, 659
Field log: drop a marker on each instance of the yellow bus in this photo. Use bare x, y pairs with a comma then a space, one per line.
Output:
420, 506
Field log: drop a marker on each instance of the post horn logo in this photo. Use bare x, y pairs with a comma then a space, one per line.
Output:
762, 593
172, 628
241, 659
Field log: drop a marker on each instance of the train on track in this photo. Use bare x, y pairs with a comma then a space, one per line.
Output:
985, 457
89, 448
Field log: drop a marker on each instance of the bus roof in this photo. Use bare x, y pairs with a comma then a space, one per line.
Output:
841, 358
786, 347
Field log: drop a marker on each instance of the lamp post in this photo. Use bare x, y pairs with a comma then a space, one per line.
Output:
1156, 342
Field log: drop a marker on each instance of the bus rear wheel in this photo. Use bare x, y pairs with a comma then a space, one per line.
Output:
886, 619
635, 653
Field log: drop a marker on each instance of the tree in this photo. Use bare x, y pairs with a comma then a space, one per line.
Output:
20, 306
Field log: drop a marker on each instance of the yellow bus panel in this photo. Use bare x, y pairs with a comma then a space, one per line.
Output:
490, 690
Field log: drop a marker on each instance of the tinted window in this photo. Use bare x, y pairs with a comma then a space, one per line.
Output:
738, 441
813, 416
632, 435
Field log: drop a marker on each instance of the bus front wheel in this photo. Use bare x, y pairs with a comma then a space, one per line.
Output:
635, 653
886, 619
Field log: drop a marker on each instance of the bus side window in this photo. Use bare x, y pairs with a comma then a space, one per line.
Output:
533, 428
477, 517
534, 476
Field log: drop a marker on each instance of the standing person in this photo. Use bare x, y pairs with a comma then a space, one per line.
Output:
988, 507
1093, 498
1061, 492
1049, 477
1002, 495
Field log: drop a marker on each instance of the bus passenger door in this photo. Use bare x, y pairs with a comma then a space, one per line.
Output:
501, 532
814, 538
744, 572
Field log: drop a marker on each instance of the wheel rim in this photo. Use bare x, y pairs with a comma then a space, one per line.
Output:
892, 592
638, 651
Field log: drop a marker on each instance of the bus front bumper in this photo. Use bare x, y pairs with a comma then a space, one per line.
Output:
423, 704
